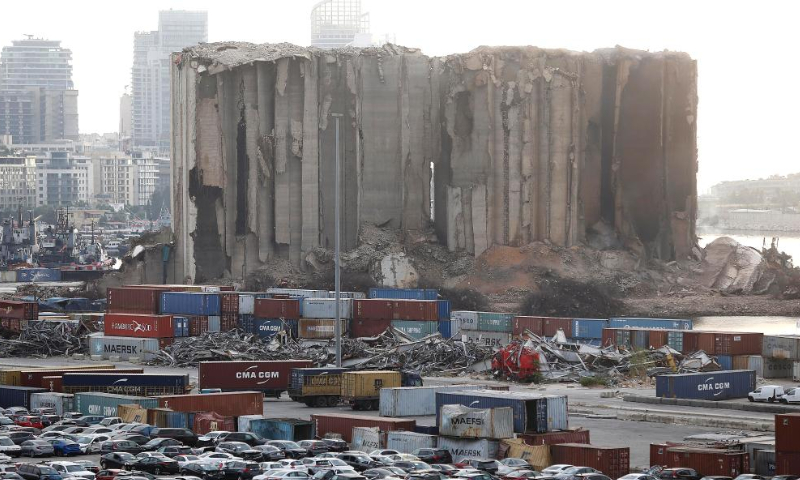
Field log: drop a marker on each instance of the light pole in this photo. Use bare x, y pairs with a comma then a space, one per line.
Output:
337, 273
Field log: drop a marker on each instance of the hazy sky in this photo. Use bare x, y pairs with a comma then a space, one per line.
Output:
747, 80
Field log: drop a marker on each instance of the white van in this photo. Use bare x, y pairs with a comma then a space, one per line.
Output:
767, 393
791, 396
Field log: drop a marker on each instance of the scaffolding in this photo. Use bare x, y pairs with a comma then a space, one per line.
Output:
336, 23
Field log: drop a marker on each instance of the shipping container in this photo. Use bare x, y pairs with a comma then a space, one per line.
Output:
180, 326
708, 461
725, 362
764, 463
8, 276
675, 341
15, 396
486, 321
749, 362
139, 325
95, 403
495, 324
269, 376
214, 323
368, 328
659, 338
134, 300
414, 401
231, 404
61, 403
796, 371
14, 325
404, 293
38, 275
367, 439
206, 421
786, 427
720, 385
409, 442
521, 325
299, 293
320, 328
464, 422
787, 347
126, 347
243, 422
247, 304
650, 323
132, 413
553, 438
350, 295
787, 463
588, 328
362, 389
277, 308
557, 413
343, 424
33, 378
384, 309
137, 384
316, 386
229, 303
326, 308
19, 310
52, 384
267, 328
228, 322
490, 339
444, 307
445, 329
461, 448
416, 329
778, 368
551, 326
191, 303
738, 343
612, 461
198, 325
290, 429
530, 410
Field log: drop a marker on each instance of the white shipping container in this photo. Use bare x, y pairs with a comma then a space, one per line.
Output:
366, 439
796, 372
461, 448
409, 442
60, 402
490, 339
557, 413
326, 308
464, 422
243, 422
213, 323
247, 304
298, 292
414, 401
778, 368
356, 295
464, 320
124, 347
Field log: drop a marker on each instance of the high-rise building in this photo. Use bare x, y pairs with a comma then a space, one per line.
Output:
38, 101
63, 179
151, 72
125, 117
17, 182
118, 180
338, 23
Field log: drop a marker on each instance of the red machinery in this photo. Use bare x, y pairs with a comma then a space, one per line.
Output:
516, 361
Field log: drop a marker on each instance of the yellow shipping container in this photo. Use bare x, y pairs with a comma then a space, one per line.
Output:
538, 456
132, 413
362, 389
314, 385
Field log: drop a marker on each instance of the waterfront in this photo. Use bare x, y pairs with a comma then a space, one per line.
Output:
787, 243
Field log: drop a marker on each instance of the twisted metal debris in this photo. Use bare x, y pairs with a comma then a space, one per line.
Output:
46, 339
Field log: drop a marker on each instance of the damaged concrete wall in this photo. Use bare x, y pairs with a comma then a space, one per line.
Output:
526, 144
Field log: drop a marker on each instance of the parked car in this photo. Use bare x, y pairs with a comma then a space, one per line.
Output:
508, 465
30, 471
385, 451
36, 448
360, 461
183, 435
184, 459
8, 447
335, 444
785, 477
240, 470
290, 449
314, 447
314, 465
269, 452
87, 420
154, 464
116, 460
749, 476
247, 437
10, 476
29, 421
157, 443
791, 396
72, 415
571, 473
70, 469
18, 437
120, 446
203, 470
434, 455
239, 449
139, 439
88, 465
412, 466
553, 470
110, 421
287, 475
646, 476
173, 451
91, 443
522, 475
766, 393
445, 468
107, 474
64, 447
590, 476
210, 439
378, 473
679, 474
474, 475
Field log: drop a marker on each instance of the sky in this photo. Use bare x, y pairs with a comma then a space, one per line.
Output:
748, 98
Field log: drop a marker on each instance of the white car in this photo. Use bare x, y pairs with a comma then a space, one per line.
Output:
508, 465
384, 452
91, 443
405, 457
70, 469
637, 476
184, 459
286, 475
314, 465
267, 466
7, 447
553, 470
791, 396
767, 393
210, 437
97, 431
291, 464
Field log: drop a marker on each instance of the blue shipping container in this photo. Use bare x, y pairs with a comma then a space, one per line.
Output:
588, 327
427, 429
444, 310
191, 303
725, 362
404, 293
80, 379
94, 403
651, 323
530, 410
17, 396
181, 326
283, 429
38, 275
177, 420
721, 385
445, 328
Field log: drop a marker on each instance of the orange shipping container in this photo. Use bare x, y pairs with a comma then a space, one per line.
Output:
233, 404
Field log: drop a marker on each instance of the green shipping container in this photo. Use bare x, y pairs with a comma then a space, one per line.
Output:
416, 329
95, 403
495, 322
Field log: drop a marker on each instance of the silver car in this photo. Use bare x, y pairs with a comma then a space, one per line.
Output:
36, 448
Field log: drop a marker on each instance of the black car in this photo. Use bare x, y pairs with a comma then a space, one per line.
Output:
87, 420
116, 460
206, 471
240, 470
30, 471
270, 453
157, 443
133, 437
378, 473
679, 474
335, 444
411, 466
485, 464
290, 449
590, 476
359, 461
183, 435
247, 437
426, 475
155, 465
445, 468
349, 476
314, 447
239, 449
18, 436
172, 451
434, 455
126, 446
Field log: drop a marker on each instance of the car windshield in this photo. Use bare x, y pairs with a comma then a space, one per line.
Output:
209, 467
6, 442
337, 462
362, 458
75, 468
126, 456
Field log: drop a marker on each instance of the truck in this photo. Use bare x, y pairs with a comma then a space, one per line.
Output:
361, 390
316, 387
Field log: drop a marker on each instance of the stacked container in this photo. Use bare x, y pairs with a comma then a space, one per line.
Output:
787, 444
532, 413
613, 462
415, 318
488, 328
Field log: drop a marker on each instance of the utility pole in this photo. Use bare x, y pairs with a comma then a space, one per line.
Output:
337, 273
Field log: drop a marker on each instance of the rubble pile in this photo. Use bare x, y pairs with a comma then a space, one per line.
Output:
46, 339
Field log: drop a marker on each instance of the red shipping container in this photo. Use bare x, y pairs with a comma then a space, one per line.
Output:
19, 310
277, 308
372, 309
198, 325
614, 462
533, 324
787, 463
52, 384
267, 375
554, 438
551, 326
658, 338
368, 328
33, 378
730, 343
422, 310
233, 404
134, 299
228, 321
658, 453
708, 461
609, 337
229, 303
12, 324
787, 425
139, 325
343, 424
694, 341
211, 421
